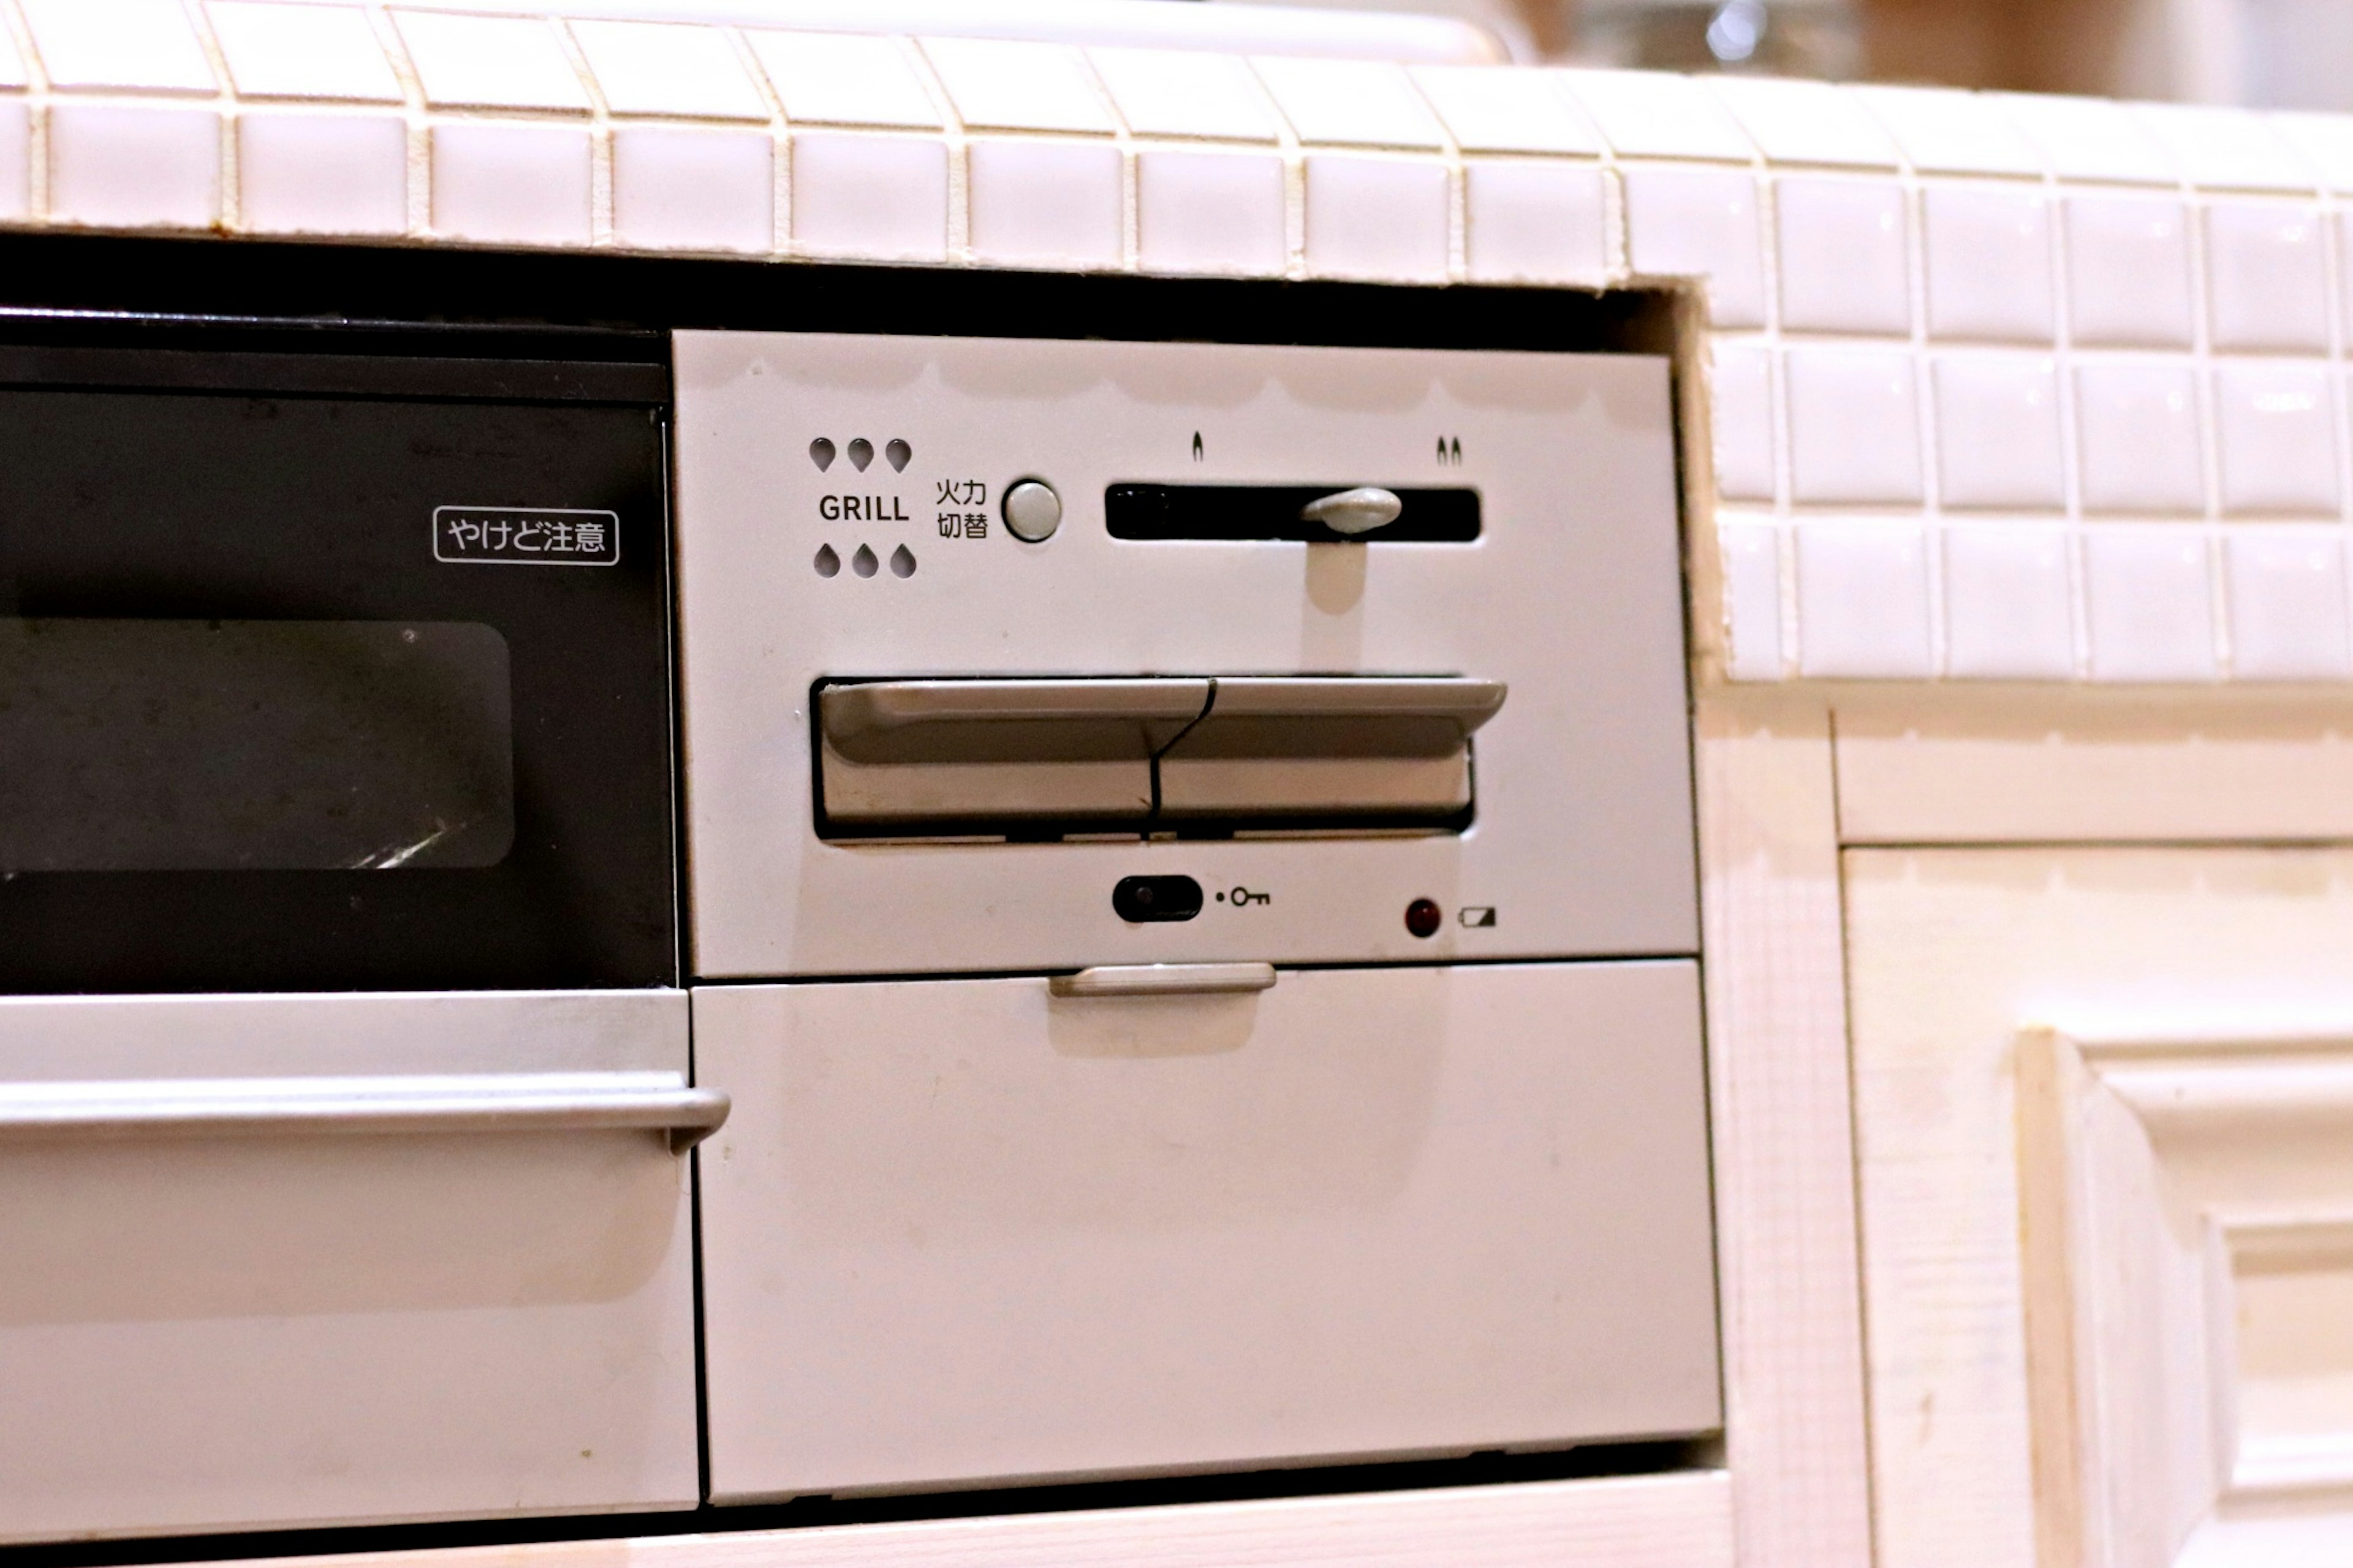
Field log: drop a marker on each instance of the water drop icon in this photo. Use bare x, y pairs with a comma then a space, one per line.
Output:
863, 562
861, 452
900, 453
902, 561
827, 563
821, 454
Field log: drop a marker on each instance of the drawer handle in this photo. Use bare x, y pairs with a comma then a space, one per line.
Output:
1163, 980
657, 1102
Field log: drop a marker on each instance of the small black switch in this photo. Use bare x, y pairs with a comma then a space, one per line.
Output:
1138, 899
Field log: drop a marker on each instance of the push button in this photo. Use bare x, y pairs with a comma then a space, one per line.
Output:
1033, 510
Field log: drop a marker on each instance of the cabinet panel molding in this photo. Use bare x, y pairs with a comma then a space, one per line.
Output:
2104, 1128
2189, 1210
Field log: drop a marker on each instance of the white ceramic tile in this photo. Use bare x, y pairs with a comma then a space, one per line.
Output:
1805, 121
143, 43
2146, 603
121, 167
1376, 217
15, 157
1506, 108
2226, 148
1987, 261
2129, 270
302, 51
1998, 440
1845, 266
1649, 114
1944, 133
1003, 84
2009, 607
1699, 222
511, 182
1751, 553
1531, 221
1863, 600
2326, 143
844, 78
1210, 212
1045, 204
1169, 92
2087, 139
2136, 432
322, 173
1364, 104
690, 188
2285, 589
1855, 425
880, 197
2275, 437
2267, 283
668, 67
1740, 406
491, 62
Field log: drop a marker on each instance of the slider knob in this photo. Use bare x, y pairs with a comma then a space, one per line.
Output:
1360, 510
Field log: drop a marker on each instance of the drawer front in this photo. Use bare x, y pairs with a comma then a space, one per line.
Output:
965, 1231
296, 1261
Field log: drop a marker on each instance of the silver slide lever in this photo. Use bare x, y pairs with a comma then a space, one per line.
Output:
1359, 510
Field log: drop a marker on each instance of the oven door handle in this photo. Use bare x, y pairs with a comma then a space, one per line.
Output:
1163, 980
659, 1103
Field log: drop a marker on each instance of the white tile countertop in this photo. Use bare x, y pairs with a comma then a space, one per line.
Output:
1999, 386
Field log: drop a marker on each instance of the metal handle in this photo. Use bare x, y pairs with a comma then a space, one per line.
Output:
1008, 720
1367, 716
1163, 980
658, 1102
1134, 719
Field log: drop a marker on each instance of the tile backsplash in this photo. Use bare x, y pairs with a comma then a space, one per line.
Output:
1998, 387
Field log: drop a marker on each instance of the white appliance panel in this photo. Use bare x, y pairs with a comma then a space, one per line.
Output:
1571, 596
239, 1328
960, 1232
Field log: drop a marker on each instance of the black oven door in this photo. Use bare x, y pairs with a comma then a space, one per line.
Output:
337, 662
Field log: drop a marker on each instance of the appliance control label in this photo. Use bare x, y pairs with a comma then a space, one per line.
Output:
526, 536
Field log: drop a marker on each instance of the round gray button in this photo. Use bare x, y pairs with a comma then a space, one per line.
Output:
1032, 510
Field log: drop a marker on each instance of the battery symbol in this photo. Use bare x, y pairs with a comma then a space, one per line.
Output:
1478, 915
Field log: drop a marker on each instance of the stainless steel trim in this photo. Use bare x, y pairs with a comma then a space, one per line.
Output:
1134, 719
1363, 716
1163, 980
657, 1102
1040, 720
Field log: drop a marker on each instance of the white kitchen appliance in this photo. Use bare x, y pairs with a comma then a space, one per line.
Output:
1192, 900
345, 1078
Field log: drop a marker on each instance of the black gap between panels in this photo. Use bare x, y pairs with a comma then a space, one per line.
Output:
269, 295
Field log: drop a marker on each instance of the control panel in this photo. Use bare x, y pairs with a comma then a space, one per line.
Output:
1002, 654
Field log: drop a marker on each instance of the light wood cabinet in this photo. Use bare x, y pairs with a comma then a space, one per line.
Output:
2104, 1104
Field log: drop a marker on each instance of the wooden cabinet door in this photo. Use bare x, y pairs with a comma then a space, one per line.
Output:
2103, 1100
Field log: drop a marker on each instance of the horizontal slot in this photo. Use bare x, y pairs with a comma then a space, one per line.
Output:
1237, 512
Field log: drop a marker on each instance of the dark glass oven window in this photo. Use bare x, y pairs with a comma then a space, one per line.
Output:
188, 745
226, 764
